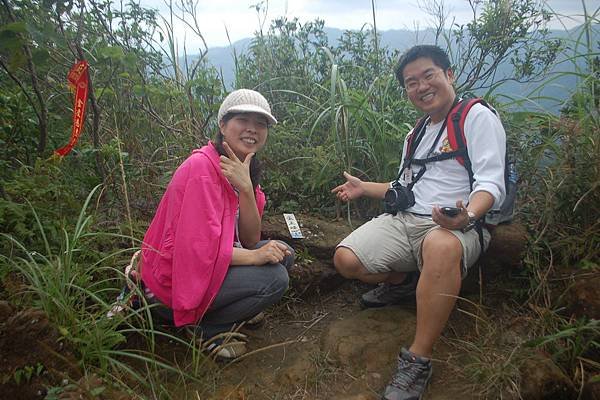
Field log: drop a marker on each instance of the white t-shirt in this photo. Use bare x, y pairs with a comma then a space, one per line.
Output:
445, 182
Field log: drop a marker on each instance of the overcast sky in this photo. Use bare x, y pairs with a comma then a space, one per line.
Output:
241, 20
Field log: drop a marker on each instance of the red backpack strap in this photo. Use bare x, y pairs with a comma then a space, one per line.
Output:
418, 125
455, 125
410, 139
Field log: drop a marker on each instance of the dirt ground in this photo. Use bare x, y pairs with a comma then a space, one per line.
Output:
31, 355
289, 361
306, 369
316, 344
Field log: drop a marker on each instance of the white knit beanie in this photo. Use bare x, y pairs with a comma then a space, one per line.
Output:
246, 101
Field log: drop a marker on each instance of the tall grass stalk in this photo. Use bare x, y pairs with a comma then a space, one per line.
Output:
559, 162
363, 138
560, 155
124, 183
76, 295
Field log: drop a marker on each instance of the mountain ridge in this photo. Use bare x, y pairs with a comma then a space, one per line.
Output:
221, 57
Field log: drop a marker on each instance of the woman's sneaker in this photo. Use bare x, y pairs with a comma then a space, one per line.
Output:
411, 379
224, 346
386, 293
227, 350
256, 321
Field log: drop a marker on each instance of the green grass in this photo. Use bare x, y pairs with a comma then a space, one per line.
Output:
76, 296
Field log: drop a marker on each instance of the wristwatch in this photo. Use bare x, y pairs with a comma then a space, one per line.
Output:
472, 221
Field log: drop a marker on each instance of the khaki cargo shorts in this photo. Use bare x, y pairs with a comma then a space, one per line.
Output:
393, 243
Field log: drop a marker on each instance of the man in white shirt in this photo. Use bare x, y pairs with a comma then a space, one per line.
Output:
422, 235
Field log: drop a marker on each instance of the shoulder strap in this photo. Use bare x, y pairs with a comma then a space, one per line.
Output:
411, 145
456, 126
458, 143
456, 132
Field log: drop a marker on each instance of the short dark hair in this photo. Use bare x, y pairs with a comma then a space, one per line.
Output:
435, 53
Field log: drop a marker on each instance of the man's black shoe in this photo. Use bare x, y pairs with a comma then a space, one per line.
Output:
387, 294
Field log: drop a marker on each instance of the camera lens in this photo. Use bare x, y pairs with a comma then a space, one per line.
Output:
390, 201
391, 196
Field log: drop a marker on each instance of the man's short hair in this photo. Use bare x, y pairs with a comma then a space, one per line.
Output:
435, 53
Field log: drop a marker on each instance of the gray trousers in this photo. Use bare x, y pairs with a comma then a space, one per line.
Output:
246, 291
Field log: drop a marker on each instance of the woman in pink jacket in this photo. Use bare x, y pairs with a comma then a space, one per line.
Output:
203, 263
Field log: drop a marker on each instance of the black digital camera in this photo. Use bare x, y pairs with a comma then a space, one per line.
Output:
398, 198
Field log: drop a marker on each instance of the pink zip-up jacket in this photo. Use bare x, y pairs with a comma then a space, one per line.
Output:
188, 246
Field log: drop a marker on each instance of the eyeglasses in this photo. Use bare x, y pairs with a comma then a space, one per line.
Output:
414, 83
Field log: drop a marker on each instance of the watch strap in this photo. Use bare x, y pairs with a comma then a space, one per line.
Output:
472, 222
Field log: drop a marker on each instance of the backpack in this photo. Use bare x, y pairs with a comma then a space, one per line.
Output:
455, 123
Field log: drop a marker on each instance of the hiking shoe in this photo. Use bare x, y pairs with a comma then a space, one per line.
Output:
224, 346
256, 321
387, 293
411, 379
229, 350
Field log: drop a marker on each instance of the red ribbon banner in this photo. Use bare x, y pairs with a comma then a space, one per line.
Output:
78, 83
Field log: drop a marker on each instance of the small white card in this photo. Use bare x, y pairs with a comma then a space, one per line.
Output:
293, 226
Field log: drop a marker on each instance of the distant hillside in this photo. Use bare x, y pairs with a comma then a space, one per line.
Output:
222, 59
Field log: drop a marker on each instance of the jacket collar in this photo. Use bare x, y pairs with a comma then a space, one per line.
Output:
211, 152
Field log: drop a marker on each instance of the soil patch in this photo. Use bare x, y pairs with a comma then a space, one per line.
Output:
32, 355
329, 348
